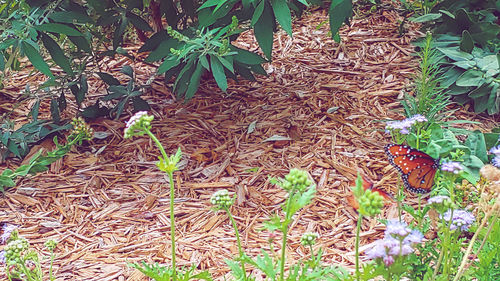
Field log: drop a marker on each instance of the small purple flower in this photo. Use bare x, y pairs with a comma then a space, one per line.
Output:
378, 251
404, 131
3, 259
451, 167
414, 237
496, 161
461, 219
495, 150
397, 229
419, 118
439, 199
388, 260
135, 118
6, 231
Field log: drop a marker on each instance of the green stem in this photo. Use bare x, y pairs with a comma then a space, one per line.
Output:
51, 263
358, 230
158, 143
172, 223
238, 241
284, 229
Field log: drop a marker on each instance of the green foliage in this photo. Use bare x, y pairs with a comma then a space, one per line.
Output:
39, 163
487, 267
163, 273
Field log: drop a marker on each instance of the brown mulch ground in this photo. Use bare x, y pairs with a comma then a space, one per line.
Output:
107, 203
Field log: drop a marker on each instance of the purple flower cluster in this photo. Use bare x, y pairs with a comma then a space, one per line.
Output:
451, 167
404, 126
496, 151
461, 219
6, 231
398, 241
439, 199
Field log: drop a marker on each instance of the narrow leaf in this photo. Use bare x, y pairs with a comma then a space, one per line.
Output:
36, 59
218, 72
282, 14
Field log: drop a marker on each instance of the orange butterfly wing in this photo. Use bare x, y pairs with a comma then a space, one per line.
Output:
416, 167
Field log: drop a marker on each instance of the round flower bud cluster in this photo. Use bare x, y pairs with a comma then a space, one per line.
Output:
176, 34
15, 248
296, 179
403, 127
221, 199
81, 128
137, 124
440, 202
51, 244
370, 203
309, 238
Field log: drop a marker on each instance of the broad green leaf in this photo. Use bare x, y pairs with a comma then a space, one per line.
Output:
6, 181
218, 72
471, 77
181, 83
488, 63
36, 59
210, 3
140, 105
282, 14
56, 53
263, 30
475, 141
162, 50
340, 11
246, 57
194, 82
480, 91
70, 17
58, 28
455, 54
466, 44
426, 17
204, 62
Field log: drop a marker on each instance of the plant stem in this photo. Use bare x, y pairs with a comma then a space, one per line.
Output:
238, 241
358, 229
172, 223
172, 195
284, 229
51, 263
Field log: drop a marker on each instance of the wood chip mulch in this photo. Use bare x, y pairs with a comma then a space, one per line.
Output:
107, 203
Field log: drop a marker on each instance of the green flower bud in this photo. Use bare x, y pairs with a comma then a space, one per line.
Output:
221, 199
51, 244
370, 203
296, 179
309, 238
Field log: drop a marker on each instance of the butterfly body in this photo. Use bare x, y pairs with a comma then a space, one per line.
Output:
417, 168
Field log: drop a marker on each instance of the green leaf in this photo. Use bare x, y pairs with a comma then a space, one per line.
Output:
140, 105
58, 28
480, 91
466, 44
282, 14
426, 17
340, 11
56, 53
54, 110
162, 50
246, 57
218, 72
228, 63
475, 141
2, 62
139, 22
82, 91
168, 64
127, 70
70, 17
36, 59
455, 54
81, 43
194, 82
471, 77
108, 78
258, 12
6, 181
263, 30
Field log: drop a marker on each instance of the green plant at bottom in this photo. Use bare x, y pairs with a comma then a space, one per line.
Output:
139, 125
23, 263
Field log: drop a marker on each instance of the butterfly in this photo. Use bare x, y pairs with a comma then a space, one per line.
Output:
417, 168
